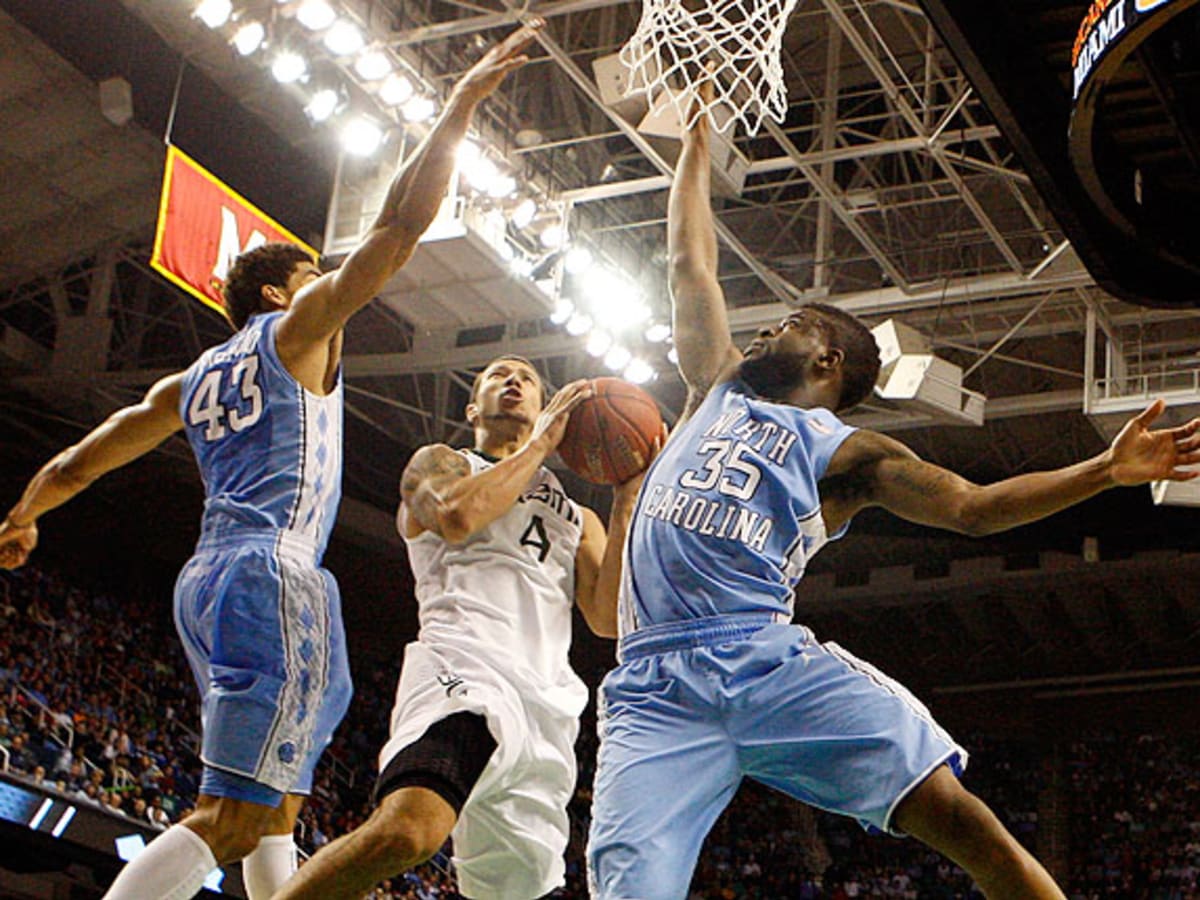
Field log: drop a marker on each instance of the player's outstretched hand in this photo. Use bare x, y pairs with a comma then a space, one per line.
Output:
485, 76
1140, 454
551, 425
16, 543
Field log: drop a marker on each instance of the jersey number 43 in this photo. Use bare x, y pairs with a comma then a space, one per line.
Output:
206, 409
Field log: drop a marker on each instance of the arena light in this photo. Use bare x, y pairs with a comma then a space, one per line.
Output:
324, 103
395, 90
523, 266
373, 65
578, 260
419, 109
658, 332
501, 186
599, 342
579, 323
673, 356
249, 38
523, 213
288, 67
361, 137
553, 236
562, 311
344, 39
316, 15
639, 371
617, 358
214, 13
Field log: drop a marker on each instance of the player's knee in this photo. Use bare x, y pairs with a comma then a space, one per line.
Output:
402, 839
232, 830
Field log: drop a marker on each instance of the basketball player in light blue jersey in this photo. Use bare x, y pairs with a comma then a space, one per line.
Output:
259, 618
714, 684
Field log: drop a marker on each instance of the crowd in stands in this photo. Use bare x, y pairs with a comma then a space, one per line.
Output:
97, 703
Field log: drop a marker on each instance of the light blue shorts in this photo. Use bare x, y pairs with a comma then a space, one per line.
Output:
695, 707
262, 627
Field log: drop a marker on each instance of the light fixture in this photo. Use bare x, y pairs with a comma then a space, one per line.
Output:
639, 371
579, 323
673, 356
616, 300
396, 89
578, 260
419, 109
214, 13
316, 15
361, 137
480, 172
523, 213
501, 186
289, 66
599, 342
562, 311
521, 265
324, 103
617, 358
344, 38
373, 65
658, 332
249, 38
553, 235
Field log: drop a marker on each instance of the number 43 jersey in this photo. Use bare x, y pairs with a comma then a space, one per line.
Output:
505, 594
270, 452
729, 513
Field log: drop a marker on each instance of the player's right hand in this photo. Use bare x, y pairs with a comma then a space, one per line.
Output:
485, 76
551, 423
16, 543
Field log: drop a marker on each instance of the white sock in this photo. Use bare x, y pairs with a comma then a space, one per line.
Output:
172, 867
271, 864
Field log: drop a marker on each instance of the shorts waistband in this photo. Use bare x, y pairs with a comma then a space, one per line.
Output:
691, 633
288, 543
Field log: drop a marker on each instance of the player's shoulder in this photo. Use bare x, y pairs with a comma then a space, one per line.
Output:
864, 448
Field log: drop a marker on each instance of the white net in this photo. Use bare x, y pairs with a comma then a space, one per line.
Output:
740, 40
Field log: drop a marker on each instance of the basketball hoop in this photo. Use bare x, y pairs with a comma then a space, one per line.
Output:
740, 40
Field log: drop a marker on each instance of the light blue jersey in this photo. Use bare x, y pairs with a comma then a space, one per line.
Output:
270, 452
259, 618
729, 514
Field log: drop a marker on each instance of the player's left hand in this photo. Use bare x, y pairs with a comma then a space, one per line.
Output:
485, 76
627, 491
1139, 454
16, 543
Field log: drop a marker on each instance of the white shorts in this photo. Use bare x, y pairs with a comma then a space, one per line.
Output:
512, 833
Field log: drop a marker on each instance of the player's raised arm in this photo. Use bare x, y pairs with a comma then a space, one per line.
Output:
123, 437
873, 470
700, 323
411, 205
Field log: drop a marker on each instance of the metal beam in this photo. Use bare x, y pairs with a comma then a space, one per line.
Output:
472, 24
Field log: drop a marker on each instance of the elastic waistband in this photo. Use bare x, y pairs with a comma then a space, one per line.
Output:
288, 543
691, 633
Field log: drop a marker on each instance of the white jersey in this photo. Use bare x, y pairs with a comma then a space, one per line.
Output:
505, 594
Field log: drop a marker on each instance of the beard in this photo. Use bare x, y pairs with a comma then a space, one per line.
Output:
774, 375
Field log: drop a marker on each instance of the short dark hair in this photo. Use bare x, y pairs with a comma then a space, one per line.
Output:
270, 264
860, 362
509, 356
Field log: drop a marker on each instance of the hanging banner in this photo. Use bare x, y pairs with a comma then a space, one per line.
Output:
203, 226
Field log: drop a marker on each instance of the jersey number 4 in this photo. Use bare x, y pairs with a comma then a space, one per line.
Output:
535, 536
206, 409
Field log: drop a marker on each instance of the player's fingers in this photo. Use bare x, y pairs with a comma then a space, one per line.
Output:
1150, 413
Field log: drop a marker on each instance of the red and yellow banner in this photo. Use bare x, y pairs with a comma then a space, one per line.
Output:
203, 226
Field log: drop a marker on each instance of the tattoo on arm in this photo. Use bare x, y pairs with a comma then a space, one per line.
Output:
431, 469
924, 481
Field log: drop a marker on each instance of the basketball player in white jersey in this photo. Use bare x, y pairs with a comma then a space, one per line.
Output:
486, 715
258, 616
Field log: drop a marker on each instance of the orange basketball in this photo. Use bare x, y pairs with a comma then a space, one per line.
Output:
610, 434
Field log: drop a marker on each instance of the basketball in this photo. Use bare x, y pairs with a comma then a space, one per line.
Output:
610, 435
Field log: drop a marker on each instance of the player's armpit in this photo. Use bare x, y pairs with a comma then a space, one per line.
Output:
431, 471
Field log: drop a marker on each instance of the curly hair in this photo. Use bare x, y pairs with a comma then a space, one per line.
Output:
860, 367
270, 264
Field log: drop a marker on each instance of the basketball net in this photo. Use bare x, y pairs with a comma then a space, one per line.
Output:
740, 40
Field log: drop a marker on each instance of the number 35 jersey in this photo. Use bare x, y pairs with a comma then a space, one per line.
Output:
729, 513
505, 594
270, 452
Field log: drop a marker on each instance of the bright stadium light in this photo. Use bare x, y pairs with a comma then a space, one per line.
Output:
361, 137
579, 323
673, 356
214, 13
501, 186
344, 38
553, 235
599, 342
658, 332
288, 67
419, 109
578, 260
639, 371
617, 358
395, 90
523, 213
322, 105
373, 65
316, 15
522, 266
562, 311
249, 38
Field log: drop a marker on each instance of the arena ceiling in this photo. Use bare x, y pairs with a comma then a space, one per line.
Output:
889, 190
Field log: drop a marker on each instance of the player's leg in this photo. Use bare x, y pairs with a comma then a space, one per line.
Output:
421, 790
665, 771
273, 861
946, 816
